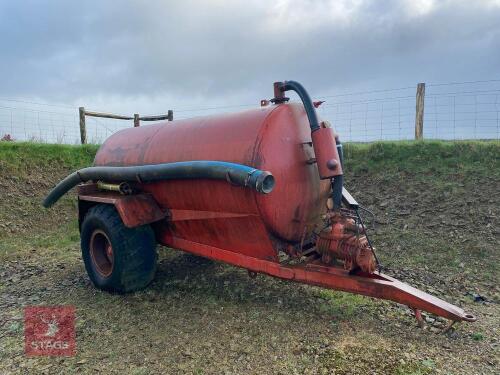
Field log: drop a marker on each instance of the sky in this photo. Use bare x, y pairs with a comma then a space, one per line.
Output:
145, 56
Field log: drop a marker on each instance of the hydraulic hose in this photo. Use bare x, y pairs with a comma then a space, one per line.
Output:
237, 174
338, 181
306, 101
337, 185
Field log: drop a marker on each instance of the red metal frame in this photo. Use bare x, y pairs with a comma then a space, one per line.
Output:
259, 256
376, 285
134, 210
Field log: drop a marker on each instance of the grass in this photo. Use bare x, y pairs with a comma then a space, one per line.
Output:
20, 156
339, 304
443, 176
440, 174
423, 368
425, 157
207, 317
409, 156
477, 336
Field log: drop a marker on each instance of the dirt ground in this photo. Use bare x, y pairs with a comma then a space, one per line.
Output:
438, 232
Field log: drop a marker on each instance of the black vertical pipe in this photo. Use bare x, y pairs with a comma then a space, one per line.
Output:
306, 101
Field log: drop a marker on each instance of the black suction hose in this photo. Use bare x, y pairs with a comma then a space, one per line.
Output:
237, 174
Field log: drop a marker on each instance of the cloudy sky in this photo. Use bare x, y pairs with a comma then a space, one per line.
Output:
140, 56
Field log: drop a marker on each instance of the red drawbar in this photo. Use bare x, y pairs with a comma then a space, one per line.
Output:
375, 285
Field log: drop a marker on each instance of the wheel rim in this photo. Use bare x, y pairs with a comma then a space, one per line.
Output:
101, 253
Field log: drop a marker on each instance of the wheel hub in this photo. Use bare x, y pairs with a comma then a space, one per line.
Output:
101, 253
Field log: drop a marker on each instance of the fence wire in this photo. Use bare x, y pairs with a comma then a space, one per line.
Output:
454, 110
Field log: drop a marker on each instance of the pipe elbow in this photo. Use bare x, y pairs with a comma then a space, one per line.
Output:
306, 101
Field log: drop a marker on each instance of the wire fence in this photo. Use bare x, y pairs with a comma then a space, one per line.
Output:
452, 111
61, 125
371, 116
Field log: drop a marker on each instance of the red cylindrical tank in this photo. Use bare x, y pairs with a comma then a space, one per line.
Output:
275, 138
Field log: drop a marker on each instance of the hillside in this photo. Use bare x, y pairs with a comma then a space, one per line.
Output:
436, 207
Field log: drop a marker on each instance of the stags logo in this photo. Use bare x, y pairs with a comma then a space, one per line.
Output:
49, 330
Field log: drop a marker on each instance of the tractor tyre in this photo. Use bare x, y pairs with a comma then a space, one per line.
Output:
117, 259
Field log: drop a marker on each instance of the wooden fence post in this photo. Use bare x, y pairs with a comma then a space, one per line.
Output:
136, 120
83, 130
419, 111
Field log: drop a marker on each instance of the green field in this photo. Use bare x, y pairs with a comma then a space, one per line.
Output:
437, 207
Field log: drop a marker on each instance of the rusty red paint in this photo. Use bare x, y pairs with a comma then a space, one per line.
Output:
101, 252
327, 156
134, 210
376, 285
215, 219
345, 240
184, 215
270, 138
